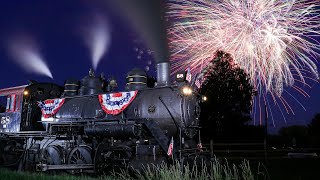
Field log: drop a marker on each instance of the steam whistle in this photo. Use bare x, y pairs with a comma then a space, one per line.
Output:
91, 72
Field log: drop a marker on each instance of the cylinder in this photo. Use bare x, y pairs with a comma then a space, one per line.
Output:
163, 74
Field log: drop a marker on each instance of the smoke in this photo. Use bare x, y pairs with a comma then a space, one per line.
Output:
147, 17
25, 53
97, 38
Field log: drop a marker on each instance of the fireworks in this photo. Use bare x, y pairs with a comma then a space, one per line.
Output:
274, 41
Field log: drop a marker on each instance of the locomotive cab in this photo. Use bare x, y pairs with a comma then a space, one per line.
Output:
22, 112
11, 117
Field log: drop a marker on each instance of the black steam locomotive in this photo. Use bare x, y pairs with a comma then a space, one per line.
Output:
88, 127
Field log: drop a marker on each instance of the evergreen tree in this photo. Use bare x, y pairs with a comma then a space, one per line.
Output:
229, 99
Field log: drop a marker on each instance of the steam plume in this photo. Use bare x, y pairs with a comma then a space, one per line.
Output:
25, 53
97, 38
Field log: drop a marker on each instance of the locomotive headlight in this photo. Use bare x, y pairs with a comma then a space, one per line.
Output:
186, 90
26, 93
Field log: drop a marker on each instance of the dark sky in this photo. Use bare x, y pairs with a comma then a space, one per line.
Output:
55, 26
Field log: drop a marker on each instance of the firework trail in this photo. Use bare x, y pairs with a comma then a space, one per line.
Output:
274, 41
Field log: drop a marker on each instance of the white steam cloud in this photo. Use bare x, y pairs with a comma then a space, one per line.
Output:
26, 55
98, 39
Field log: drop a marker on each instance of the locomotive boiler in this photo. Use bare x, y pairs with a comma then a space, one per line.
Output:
88, 126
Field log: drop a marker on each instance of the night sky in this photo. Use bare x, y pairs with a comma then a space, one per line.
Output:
57, 29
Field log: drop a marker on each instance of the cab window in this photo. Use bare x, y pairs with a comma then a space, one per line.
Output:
13, 103
3, 102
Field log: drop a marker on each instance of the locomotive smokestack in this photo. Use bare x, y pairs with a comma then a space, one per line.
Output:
163, 74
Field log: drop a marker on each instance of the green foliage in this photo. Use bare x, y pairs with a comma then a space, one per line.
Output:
216, 170
229, 95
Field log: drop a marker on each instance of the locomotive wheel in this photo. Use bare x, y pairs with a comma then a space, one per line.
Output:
80, 155
109, 159
2, 144
52, 155
11, 154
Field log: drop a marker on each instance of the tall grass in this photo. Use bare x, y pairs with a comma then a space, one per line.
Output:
215, 170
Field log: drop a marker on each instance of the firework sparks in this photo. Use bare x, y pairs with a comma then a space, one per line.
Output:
272, 40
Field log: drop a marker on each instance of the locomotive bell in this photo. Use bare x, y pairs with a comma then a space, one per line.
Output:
113, 85
136, 79
90, 85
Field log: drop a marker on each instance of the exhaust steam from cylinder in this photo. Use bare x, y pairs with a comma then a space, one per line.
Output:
98, 38
25, 53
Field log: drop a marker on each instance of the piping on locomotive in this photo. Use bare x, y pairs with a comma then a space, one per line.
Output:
89, 127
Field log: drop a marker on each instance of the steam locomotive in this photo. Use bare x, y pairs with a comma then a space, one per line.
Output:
89, 127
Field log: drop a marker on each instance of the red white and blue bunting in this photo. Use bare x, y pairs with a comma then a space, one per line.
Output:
50, 107
115, 103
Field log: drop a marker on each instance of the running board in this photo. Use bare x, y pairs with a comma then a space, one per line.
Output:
46, 167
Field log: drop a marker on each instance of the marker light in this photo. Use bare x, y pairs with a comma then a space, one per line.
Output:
204, 98
26, 93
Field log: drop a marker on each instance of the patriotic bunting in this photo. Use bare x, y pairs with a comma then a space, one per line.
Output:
115, 103
50, 107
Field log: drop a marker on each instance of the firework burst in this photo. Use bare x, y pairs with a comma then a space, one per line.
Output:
274, 41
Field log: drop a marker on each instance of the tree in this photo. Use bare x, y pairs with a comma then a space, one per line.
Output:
314, 127
229, 95
296, 135
314, 130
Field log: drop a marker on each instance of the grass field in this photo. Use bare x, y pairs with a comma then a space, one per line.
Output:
216, 171
14, 175
274, 169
